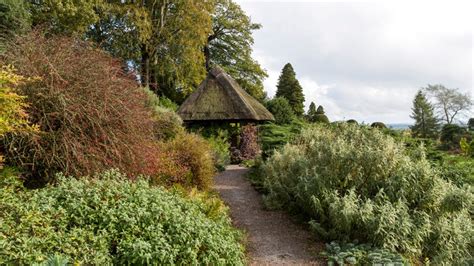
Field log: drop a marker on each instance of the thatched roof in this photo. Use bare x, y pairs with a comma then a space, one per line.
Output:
218, 98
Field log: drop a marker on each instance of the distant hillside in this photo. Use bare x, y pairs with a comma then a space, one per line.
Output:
399, 126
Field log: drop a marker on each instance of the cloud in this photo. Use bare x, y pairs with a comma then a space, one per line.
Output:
365, 60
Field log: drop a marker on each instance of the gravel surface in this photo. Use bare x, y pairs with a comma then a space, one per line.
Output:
272, 237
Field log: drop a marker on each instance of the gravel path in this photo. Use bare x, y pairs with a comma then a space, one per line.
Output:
272, 238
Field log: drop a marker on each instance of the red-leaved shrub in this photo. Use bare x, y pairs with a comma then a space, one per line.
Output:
249, 147
91, 114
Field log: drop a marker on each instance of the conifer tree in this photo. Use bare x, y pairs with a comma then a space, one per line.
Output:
426, 124
311, 112
320, 116
289, 88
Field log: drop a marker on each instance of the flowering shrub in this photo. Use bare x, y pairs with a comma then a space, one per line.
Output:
109, 220
357, 183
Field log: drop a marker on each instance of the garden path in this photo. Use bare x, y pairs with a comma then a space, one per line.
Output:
272, 237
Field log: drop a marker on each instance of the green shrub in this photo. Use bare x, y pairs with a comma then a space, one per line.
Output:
281, 110
109, 220
451, 136
220, 149
166, 122
379, 125
352, 121
273, 136
360, 254
321, 118
356, 183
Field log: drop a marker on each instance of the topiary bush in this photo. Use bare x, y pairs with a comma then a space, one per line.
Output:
186, 160
109, 220
91, 115
379, 125
356, 183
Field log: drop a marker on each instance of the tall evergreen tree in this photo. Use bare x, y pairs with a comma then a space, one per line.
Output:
311, 112
426, 124
289, 88
320, 116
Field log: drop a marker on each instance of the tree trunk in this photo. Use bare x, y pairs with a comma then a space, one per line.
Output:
207, 55
145, 67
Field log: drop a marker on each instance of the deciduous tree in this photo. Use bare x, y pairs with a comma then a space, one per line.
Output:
449, 102
230, 46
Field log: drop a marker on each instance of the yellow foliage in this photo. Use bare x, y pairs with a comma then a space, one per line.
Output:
12, 115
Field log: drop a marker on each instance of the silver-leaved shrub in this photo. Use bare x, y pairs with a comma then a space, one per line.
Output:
110, 220
356, 183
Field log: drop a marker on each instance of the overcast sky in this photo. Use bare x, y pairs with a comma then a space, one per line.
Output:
365, 60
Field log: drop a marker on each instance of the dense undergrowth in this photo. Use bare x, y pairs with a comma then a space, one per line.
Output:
357, 183
77, 115
108, 219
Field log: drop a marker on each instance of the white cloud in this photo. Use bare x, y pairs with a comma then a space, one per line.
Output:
365, 60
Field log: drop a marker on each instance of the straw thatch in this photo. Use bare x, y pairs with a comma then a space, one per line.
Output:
220, 98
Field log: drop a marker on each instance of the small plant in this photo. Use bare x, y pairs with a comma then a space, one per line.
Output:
360, 254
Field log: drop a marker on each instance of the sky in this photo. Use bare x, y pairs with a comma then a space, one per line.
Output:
365, 60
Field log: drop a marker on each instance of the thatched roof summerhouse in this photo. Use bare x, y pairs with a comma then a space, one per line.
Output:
220, 98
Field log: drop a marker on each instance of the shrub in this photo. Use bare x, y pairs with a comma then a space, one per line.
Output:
273, 136
108, 220
356, 183
281, 110
186, 160
220, 149
166, 123
470, 124
451, 136
13, 118
378, 125
249, 147
360, 254
91, 115
352, 121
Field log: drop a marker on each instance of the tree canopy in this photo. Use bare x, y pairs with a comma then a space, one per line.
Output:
311, 112
449, 102
289, 88
166, 42
230, 46
426, 124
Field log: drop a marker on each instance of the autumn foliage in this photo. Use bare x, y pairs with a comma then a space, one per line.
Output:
91, 114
